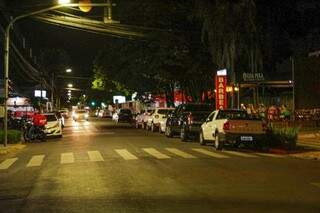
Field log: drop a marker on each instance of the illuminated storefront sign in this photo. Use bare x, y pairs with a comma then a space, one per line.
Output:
221, 93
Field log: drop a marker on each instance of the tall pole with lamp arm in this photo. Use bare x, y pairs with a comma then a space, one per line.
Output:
7, 50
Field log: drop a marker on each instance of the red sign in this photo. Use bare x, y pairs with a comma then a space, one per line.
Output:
221, 94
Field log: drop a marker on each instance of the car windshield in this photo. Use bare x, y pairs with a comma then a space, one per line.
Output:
51, 118
127, 111
198, 107
164, 111
81, 111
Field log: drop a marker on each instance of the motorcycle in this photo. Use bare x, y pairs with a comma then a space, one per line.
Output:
38, 133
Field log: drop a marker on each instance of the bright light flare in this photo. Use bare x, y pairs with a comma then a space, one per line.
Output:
68, 70
70, 85
64, 1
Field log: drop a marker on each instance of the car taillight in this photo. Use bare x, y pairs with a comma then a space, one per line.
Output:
264, 126
190, 119
226, 126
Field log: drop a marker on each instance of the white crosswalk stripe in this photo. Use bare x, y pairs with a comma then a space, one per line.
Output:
180, 153
36, 160
211, 154
125, 154
67, 158
7, 163
240, 154
270, 155
155, 153
95, 156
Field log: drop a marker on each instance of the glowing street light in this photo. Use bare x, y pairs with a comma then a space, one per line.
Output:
68, 70
70, 85
64, 1
61, 3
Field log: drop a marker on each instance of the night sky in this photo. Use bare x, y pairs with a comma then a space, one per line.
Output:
83, 46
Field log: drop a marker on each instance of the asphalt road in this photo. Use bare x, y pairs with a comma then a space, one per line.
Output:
102, 167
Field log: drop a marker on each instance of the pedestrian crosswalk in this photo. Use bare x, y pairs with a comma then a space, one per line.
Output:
67, 158
166, 153
95, 156
7, 163
36, 160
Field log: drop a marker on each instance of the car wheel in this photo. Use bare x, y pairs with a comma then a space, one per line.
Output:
201, 139
168, 132
217, 143
184, 135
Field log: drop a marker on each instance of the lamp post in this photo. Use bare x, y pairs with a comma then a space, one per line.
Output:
62, 3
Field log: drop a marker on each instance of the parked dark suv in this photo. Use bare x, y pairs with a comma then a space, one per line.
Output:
125, 115
186, 120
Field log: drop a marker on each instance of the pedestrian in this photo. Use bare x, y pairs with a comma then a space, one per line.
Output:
262, 111
243, 107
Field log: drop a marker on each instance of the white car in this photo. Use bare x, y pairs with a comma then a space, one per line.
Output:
159, 115
79, 114
232, 127
53, 126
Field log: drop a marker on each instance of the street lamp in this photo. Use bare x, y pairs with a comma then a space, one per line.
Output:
70, 85
64, 1
61, 3
68, 70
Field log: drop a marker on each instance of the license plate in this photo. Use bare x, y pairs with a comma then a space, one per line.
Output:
246, 138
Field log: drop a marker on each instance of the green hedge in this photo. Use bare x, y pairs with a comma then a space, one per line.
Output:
283, 137
14, 136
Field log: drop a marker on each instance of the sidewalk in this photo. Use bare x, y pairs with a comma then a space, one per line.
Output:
310, 139
10, 149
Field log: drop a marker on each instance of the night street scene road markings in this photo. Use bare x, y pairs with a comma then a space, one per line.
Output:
211, 154
269, 155
180, 153
125, 154
36, 160
155, 153
7, 163
240, 154
95, 156
67, 158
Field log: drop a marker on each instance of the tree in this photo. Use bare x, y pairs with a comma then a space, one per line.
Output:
229, 30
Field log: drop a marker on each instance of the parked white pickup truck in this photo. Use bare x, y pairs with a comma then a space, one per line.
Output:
231, 127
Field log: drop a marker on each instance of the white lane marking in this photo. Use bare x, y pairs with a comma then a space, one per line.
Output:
211, 154
270, 155
36, 160
95, 156
180, 153
316, 184
67, 158
240, 154
125, 154
155, 153
7, 163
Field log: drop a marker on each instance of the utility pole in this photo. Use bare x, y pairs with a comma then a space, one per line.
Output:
107, 18
52, 89
293, 88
